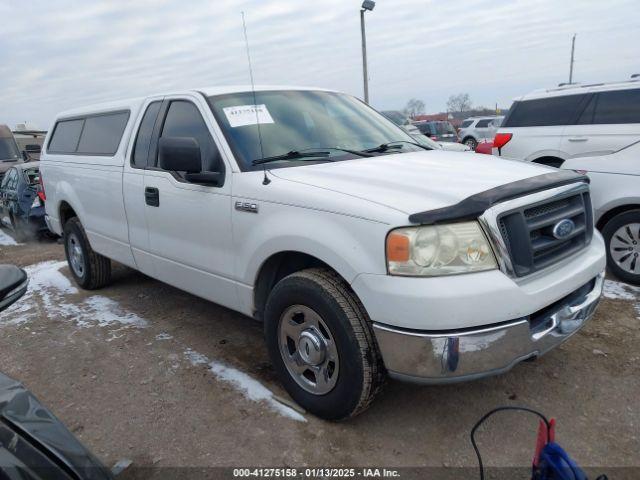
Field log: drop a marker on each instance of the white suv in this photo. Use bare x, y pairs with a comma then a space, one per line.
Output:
478, 129
615, 193
551, 126
362, 252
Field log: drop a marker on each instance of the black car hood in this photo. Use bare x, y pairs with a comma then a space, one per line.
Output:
24, 414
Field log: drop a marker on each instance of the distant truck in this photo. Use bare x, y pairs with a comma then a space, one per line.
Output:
9, 151
18, 147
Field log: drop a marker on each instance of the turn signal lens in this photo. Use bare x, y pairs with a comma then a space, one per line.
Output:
398, 247
501, 139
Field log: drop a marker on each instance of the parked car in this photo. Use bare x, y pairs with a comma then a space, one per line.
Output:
401, 120
438, 131
22, 201
316, 215
551, 126
9, 152
448, 146
485, 147
479, 129
34, 444
615, 193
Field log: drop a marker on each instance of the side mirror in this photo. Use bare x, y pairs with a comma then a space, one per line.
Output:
33, 148
179, 154
13, 285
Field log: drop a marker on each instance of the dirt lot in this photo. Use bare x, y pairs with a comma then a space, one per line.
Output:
143, 371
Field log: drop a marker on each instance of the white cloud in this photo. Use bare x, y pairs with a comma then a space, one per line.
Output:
57, 55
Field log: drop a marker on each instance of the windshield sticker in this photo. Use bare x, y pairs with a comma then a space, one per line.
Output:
243, 115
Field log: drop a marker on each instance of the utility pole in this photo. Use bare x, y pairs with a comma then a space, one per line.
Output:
367, 5
573, 49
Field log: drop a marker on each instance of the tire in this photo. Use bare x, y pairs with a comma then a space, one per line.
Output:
344, 330
622, 239
471, 143
89, 269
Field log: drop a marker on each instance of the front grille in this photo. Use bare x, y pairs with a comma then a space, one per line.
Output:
528, 232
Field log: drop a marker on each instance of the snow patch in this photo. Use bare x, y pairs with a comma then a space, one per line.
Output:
623, 291
163, 336
248, 386
195, 358
7, 240
252, 389
620, 291
46, 297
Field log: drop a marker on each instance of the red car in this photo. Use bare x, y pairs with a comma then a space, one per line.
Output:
484, 147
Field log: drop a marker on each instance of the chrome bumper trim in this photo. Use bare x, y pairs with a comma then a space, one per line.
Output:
435, 357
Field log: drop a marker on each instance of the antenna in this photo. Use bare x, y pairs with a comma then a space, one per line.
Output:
266, 180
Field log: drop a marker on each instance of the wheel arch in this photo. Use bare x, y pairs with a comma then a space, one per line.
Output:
276, 267
550, 161
65, 212
613, 212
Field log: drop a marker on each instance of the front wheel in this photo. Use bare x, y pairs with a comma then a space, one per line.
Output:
89, 269
622, 237
321, 344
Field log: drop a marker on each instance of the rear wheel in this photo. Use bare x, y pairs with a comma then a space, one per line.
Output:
470, 142
90, 269
622, 236
321, 344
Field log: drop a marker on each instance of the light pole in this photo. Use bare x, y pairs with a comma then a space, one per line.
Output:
366, 5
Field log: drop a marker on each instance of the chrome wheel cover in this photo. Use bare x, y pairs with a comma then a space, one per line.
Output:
624, 248
308, 349
76, 256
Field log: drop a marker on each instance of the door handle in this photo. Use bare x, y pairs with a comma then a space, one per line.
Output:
152, 196
578, 139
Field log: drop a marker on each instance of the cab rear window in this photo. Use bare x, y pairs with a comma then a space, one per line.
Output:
90, 135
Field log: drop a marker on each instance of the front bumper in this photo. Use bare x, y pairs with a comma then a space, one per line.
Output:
467, 354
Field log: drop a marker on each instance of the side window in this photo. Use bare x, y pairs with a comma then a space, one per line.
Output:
13, 179
544, 111
6, 179
466, 123
101, 134
184, 120
66, 135
143, 139
586, 117
483, 123
622, 106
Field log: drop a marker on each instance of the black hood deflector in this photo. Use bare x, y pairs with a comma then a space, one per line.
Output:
472, 207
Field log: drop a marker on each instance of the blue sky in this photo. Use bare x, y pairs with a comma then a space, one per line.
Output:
64, 54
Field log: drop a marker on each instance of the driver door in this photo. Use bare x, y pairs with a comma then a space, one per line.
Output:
189, 225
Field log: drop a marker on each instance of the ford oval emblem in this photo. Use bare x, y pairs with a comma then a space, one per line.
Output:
563, 229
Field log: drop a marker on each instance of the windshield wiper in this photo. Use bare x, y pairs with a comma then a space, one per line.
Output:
308, 153
292, 155
393, 145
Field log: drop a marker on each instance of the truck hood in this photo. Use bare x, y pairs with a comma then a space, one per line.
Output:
414, 181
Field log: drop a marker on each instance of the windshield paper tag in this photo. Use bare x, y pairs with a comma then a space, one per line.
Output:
244, 115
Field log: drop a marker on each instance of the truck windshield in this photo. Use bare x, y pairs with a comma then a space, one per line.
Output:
8, 149
296, 121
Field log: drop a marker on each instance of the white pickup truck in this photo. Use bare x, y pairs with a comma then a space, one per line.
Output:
364, 253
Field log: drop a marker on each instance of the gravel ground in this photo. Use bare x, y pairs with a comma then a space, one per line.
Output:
143, 371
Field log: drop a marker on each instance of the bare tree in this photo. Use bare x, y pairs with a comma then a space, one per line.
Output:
459, 103
414, 107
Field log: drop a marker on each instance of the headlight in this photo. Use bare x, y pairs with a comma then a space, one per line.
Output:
439, 250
